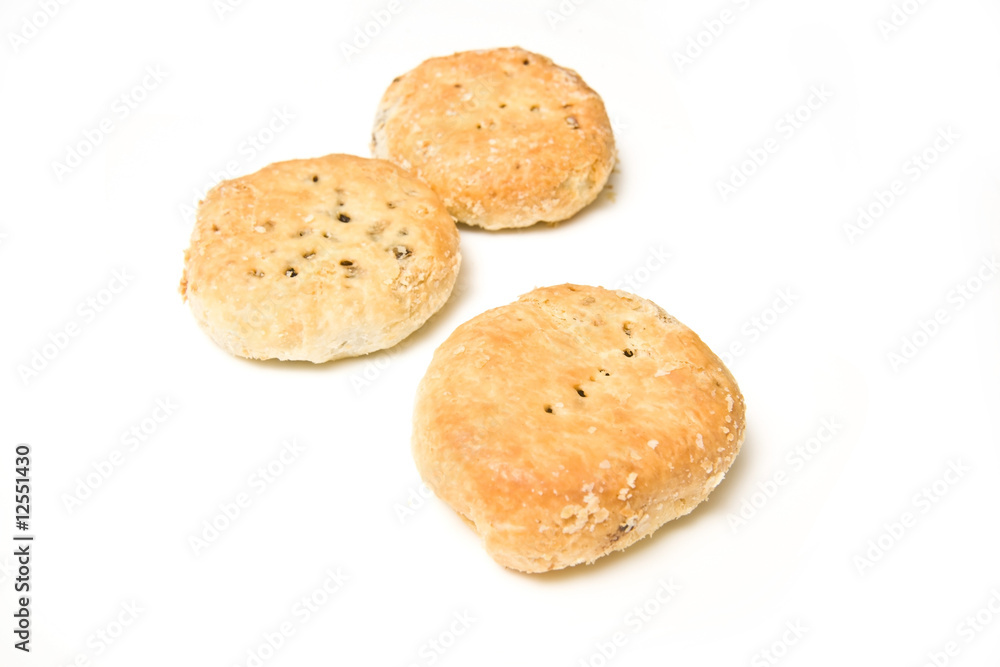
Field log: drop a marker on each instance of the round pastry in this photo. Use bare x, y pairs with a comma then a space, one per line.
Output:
572, 423
505, 136
319, 259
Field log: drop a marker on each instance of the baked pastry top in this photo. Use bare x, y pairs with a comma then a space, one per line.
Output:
505, 136
319, 259
573, 422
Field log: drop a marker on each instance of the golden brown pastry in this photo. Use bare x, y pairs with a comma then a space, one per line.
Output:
572, 423
505, 136
319, 259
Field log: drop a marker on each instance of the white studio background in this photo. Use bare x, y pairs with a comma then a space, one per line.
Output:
857, 526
